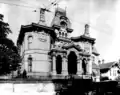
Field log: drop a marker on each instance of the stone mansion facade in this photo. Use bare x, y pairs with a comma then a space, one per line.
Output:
49, 50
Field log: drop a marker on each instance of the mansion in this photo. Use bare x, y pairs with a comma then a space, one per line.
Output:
50, 51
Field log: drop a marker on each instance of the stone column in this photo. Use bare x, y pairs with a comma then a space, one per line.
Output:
53, 63
50, 63
89, 65
79, 65
64, 65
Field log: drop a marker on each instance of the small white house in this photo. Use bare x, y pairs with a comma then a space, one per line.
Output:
110, 70
95, 72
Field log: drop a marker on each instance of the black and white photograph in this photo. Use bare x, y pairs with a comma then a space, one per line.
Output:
59, 47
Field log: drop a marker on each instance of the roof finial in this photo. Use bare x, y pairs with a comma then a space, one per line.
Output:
86, 33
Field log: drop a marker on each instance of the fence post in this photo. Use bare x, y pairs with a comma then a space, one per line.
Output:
13, 87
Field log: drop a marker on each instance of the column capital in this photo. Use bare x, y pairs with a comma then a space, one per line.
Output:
89, 58
54, 54
79, 57
64, 55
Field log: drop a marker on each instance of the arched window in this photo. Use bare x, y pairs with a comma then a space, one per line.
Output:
30, 63
65, 34
62, 34
30, 38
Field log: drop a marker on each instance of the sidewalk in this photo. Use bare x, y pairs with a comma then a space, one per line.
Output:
27, 89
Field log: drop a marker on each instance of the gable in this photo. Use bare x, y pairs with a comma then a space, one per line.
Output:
115, 67
72, 46
108, 65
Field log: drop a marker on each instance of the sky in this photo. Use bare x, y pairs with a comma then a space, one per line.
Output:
103, 16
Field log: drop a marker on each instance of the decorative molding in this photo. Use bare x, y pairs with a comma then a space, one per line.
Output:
36, 60
64, 55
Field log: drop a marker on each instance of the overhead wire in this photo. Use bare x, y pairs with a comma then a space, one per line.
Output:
19, 5
83, 23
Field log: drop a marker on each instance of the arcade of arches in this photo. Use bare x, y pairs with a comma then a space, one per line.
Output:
69, 64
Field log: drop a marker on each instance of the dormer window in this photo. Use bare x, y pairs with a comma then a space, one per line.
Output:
62, 34
63, 24
65, 34
30, 40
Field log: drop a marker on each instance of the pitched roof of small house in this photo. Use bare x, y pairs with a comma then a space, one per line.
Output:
95, 66
107, 65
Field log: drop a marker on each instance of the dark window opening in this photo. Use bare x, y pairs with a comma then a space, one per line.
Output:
30, 63
30, 38
63, 24
58, 64
72, 63
62, 34
84, 66
65, 34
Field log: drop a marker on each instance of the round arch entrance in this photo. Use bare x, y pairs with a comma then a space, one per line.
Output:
58, 64
72, 63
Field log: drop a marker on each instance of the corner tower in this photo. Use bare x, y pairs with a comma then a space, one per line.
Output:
34, 42
61, 23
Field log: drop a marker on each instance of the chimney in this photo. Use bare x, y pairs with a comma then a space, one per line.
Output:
99, 62
86, 33
119, 61
1, 17
42, 16
103, 61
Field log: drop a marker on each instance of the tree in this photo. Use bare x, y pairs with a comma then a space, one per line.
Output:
9, 56
4, 28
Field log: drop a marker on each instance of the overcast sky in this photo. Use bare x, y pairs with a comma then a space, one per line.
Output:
102, 15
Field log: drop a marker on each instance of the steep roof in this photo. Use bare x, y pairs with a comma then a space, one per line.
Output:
33, 27
95, 66
83, 38
94, 51
107, 65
